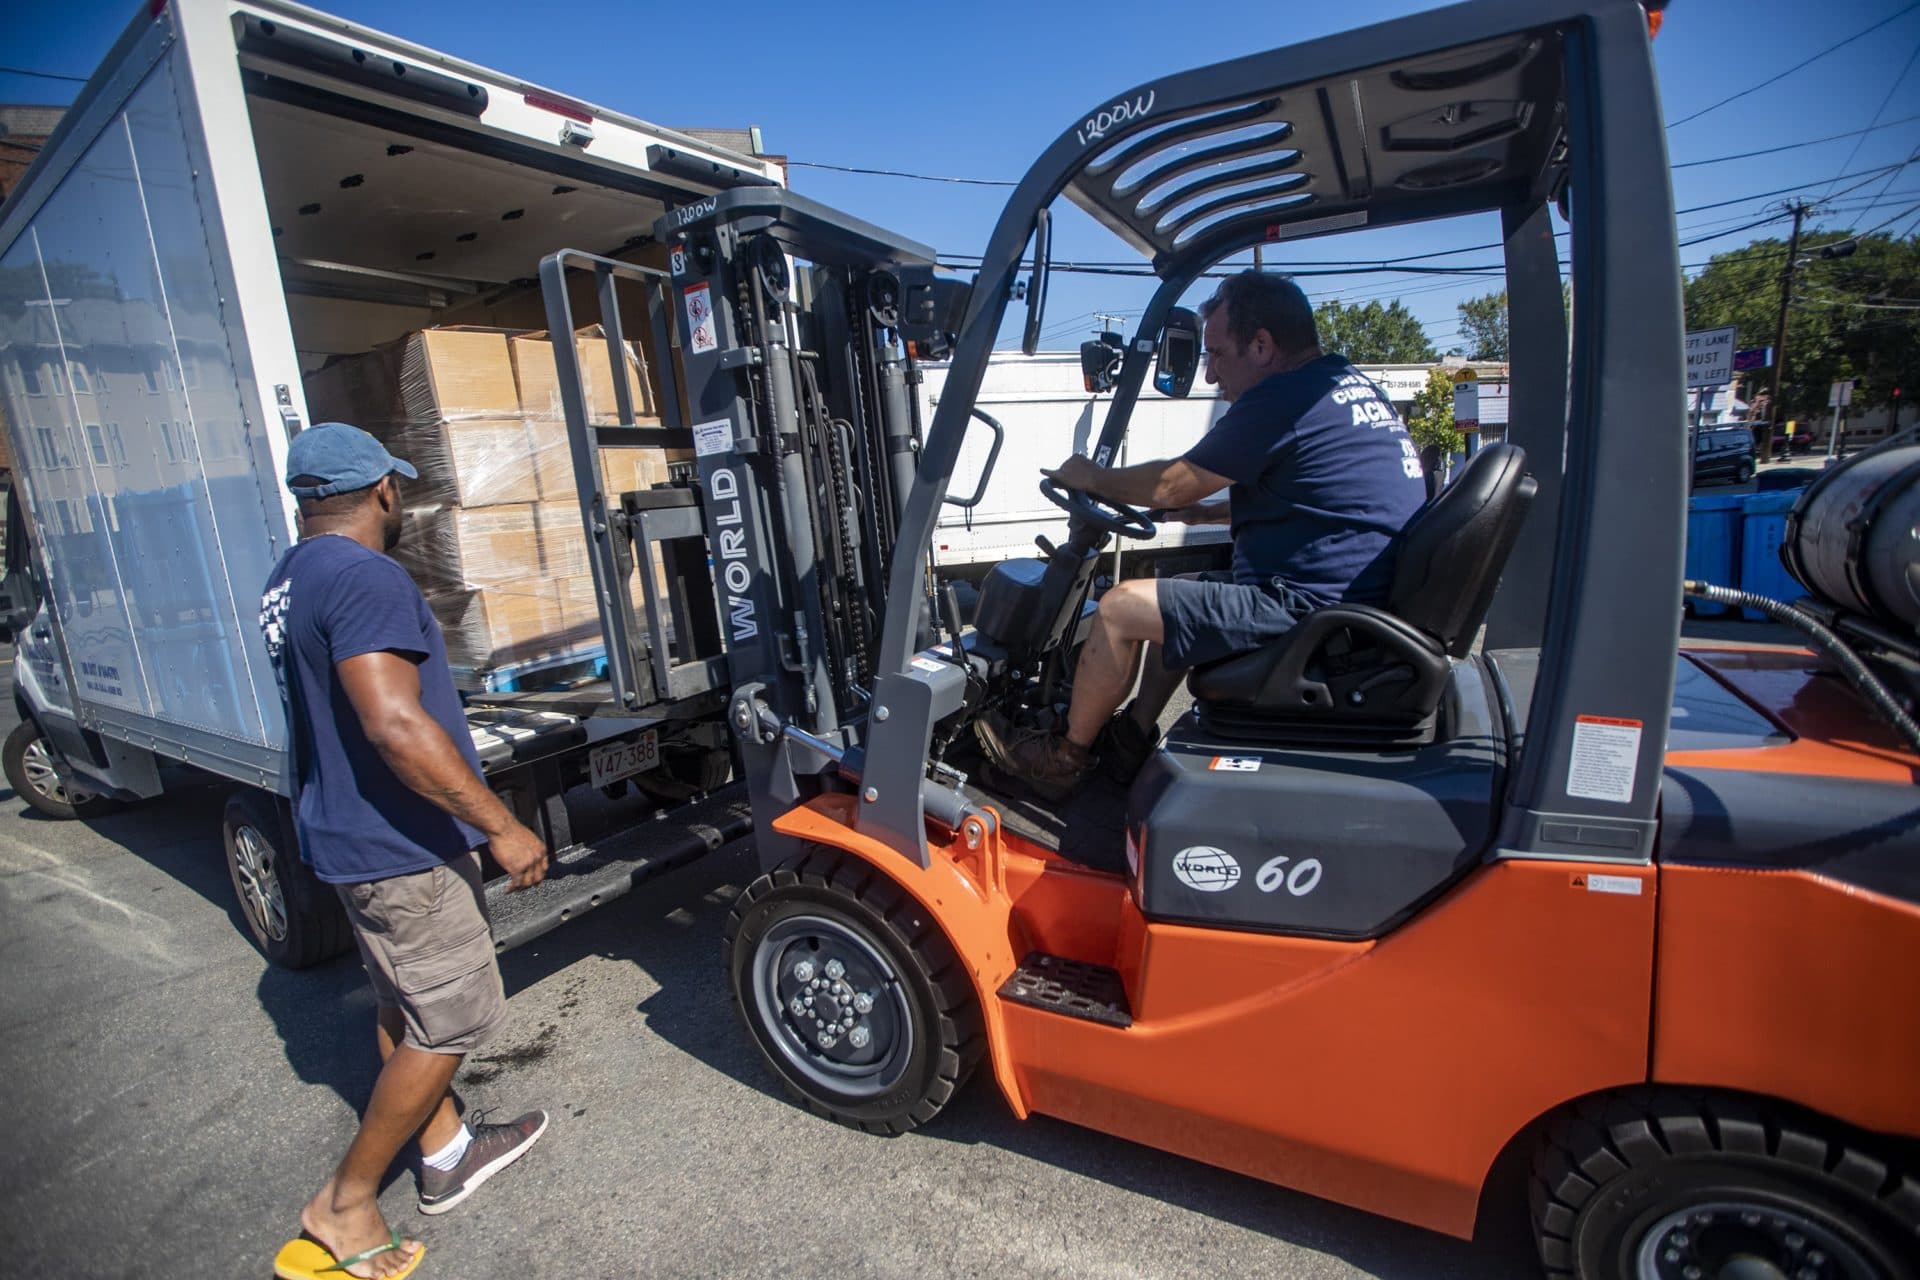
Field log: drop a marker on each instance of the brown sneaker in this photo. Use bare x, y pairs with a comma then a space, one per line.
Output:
1050, 763
494, 1147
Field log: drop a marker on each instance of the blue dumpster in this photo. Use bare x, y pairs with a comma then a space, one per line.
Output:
1762, 532
1713, 545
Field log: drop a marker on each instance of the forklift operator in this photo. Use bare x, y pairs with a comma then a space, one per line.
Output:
1321, 475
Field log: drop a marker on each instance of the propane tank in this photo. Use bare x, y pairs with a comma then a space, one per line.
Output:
1853, 539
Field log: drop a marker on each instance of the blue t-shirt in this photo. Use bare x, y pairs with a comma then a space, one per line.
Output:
331, 599
1324, 475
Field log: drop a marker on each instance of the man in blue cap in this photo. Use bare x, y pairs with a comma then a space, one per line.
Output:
390, 807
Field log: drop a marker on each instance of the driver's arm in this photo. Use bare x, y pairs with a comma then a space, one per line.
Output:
1166, 483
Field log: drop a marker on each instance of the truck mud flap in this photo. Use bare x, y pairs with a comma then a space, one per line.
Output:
589, 875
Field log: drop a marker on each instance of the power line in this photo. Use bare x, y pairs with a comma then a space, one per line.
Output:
895, 173
1791, 146
1674, 124
43, 75
1891, 90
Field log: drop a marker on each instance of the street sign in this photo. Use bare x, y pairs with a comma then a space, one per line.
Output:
1710, 357
1840, 394
1752, 358
1466, 401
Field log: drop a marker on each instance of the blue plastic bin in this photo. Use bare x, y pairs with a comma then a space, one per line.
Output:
1761, 533
1713, 545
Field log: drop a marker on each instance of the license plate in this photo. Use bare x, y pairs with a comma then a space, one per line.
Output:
613, 761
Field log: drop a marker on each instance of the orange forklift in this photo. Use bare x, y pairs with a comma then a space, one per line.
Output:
1493, 874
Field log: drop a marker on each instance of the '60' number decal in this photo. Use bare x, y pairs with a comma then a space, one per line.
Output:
1301, 881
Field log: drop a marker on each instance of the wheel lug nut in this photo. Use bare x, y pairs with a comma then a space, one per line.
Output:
1817, 1258
1678, 1239
1806, 1273
826, 1039
798, 1006
835, 969
1796, 1241
863, 1003
858, 1037
803, 972
1750, 1219
1693, 1273
1671, 1255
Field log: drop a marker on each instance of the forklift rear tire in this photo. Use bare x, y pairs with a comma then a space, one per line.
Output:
852, 993
34, 774
1651, 1184
296, 919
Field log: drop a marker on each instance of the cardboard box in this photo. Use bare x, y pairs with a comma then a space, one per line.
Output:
505, 626
429, 375
539, 380
482, 462
466, 548
456, 373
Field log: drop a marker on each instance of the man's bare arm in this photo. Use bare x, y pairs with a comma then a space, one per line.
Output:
1167, 484
385, 691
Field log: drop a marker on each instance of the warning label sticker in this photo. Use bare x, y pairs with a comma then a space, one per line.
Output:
1235, 764
925, 663
700, 318
1606, 754
712, 437
1626, 885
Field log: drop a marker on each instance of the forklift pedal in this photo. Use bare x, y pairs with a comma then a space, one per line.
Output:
1070, 987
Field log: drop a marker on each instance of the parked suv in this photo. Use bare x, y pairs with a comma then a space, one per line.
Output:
1723, 453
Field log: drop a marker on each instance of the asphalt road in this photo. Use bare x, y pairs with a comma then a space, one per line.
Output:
170, 1102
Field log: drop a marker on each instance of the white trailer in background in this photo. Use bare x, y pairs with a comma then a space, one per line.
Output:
242, 190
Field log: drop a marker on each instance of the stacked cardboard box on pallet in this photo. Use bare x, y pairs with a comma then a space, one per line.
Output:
493, 532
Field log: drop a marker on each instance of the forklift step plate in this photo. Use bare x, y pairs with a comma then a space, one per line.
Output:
1070, 987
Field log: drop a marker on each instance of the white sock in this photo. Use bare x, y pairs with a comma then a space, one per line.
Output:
447, 1157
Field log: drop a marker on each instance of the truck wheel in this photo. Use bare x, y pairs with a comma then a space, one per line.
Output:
1660, 1186
1745, 473
295, 919
34, 774
852, 993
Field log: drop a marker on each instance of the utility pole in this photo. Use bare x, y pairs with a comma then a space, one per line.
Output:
1800, 210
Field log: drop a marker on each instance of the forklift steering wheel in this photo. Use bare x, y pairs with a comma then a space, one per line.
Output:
1109, 517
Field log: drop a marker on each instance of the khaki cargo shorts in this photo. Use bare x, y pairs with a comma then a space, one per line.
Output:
425, 941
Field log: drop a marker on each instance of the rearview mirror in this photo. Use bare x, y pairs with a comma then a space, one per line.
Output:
1037, 287
1179, 355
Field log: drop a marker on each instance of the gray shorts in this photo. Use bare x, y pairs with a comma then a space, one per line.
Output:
1208, 616
428, 949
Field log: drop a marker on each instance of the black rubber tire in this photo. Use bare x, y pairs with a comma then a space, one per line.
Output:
314, 925
1744, 473
13, 759
1616, 1167
947, 1037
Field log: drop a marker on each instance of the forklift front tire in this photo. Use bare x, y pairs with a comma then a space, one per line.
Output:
1654, 1184
295, 919
852, 993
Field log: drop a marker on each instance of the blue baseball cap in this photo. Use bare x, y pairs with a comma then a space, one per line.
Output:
342, 457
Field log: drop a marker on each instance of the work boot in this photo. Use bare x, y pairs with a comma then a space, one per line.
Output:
1123, 748
494, 1147
1049, 763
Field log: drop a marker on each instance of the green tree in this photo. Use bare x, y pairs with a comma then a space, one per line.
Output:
1431, 421
1848, 318
1483, 324
1372, 332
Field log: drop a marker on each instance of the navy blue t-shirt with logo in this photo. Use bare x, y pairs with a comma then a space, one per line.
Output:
331, 599
1324, 475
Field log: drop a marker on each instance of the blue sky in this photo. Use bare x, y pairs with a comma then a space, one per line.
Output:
980, 91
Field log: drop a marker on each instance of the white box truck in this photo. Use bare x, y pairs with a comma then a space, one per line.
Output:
241, 191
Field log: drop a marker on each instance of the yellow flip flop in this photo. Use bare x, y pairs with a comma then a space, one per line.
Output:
304, 1259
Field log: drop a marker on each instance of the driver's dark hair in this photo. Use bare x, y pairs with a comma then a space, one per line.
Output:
1257, 300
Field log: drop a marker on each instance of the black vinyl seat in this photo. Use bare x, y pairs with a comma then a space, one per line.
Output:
1355, 673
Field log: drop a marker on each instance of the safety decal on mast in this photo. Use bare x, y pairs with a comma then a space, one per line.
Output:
700, 319
1606, 756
